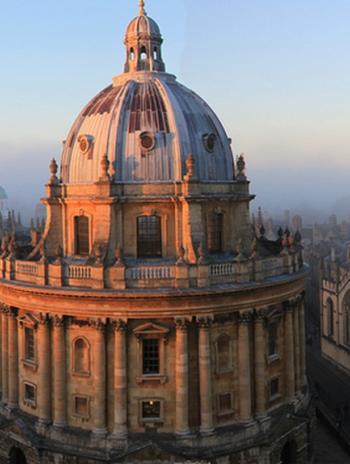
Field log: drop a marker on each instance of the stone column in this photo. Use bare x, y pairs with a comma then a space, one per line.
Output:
205, 388
4, 353
99, 370
289, 351
296, 347
13, 381
181, 425
120, 380
245, 399
44, 371
59, 373
260, 362
302, 343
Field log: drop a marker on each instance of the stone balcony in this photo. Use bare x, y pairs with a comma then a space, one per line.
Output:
151, 274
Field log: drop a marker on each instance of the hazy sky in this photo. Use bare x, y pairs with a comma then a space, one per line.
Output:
276, 72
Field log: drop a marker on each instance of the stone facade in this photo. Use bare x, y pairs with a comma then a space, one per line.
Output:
149, 322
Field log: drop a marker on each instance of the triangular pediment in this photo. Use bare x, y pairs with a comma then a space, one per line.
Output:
151, 328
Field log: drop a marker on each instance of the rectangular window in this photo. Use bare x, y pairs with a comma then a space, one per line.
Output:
82, 242
272, 339
29, 348
149, 240
215, 233
151, 410
81, 406
30, 394
150, 356
225, 403
274, 388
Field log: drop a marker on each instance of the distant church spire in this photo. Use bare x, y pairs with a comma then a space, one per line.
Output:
142, 11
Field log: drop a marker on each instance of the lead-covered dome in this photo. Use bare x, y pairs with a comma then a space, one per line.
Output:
146, 123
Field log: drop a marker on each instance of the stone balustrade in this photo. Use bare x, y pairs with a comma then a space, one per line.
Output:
141, 275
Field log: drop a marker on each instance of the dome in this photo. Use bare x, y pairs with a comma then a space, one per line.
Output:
142, 25
146, 123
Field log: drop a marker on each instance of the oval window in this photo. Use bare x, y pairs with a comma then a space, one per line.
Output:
147, 141
209, 141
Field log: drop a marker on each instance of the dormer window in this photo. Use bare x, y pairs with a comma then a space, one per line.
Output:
215, 233
149, 240
82, 239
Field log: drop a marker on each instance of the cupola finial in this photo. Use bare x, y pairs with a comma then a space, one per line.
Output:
142, 11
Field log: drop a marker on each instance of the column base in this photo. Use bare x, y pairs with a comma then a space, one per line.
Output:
59, 425
183, 433
207, 432
100, 432
119, 435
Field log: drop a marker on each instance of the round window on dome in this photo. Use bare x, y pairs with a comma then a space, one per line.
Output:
148, 141
209, 141
84, 144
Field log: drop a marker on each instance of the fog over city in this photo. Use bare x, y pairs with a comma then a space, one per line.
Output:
278, 80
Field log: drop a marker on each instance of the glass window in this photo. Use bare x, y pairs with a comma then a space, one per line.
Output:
81, 406
150, 356
29, 393
330, 318
82, 242
274, 387
151, 409
225, 402
29, 348
224, 359
149, 242
272, 339
215, 233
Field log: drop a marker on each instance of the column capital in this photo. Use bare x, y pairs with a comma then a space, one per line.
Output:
13, 312
119, 325
44, 319
58, 320
260, 314
245, 317
4, 308
98, 324
181, 323
290, 305
205, 322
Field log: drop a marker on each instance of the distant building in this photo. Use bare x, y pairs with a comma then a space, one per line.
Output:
3, 199
147, 322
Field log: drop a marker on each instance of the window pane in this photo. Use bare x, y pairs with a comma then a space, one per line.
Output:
225, 402
272, 339
149, 242
150, 356
82, 245
29, 393
215, 233
274, 387
151, 409
29, 344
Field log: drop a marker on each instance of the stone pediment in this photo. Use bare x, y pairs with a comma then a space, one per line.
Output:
30, 319
151, 329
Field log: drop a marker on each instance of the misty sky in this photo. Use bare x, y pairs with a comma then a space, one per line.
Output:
276, 72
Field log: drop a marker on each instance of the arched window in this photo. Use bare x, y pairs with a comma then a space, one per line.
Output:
155, 53
224, 358
132, 54
82, 240
149, 239
215, 233
17, 456
330, 317
143, 54
346, 320
81, 357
